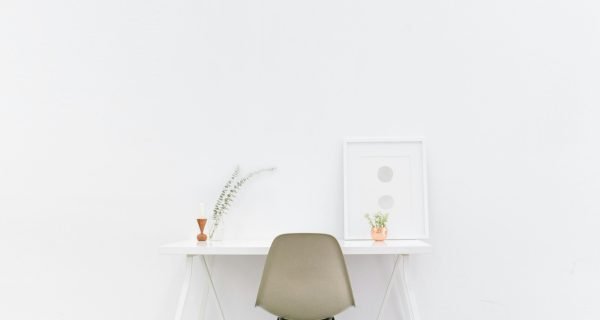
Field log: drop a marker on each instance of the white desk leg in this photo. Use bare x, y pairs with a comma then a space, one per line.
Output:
410, 304
189, 260
389, 288
212, 285
204, 296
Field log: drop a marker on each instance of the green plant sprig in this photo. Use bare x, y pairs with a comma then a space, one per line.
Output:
219, 205
228, 194
378, 220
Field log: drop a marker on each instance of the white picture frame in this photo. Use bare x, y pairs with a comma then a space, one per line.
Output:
387, 174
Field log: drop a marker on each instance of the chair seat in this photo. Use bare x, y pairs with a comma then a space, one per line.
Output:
305, 278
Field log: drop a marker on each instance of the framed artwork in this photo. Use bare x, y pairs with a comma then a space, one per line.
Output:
387, 175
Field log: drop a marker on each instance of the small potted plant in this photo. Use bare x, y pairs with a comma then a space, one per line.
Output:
378, 224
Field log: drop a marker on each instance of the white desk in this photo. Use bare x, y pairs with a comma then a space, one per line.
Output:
401, 249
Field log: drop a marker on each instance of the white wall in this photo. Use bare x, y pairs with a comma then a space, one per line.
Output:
119, 117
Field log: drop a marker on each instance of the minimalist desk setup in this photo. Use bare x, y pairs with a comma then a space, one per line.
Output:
385, 197
400, 249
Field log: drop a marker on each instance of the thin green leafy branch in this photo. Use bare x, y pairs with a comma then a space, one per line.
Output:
228, 194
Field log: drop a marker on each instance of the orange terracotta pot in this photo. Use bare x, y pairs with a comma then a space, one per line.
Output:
379, 234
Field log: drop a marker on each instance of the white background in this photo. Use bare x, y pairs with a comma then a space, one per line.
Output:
119, 117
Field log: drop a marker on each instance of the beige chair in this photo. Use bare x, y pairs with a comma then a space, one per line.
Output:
305, 278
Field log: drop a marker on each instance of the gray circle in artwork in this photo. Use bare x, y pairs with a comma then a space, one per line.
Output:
385, 174
386, 202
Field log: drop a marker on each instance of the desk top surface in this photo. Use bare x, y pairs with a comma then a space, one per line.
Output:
240, 247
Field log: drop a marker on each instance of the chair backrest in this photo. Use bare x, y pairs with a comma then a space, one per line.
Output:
305, 278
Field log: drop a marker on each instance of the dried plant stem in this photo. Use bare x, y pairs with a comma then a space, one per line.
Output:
228, 194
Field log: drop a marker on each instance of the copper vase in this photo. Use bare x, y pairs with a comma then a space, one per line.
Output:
201, 224
379, 234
